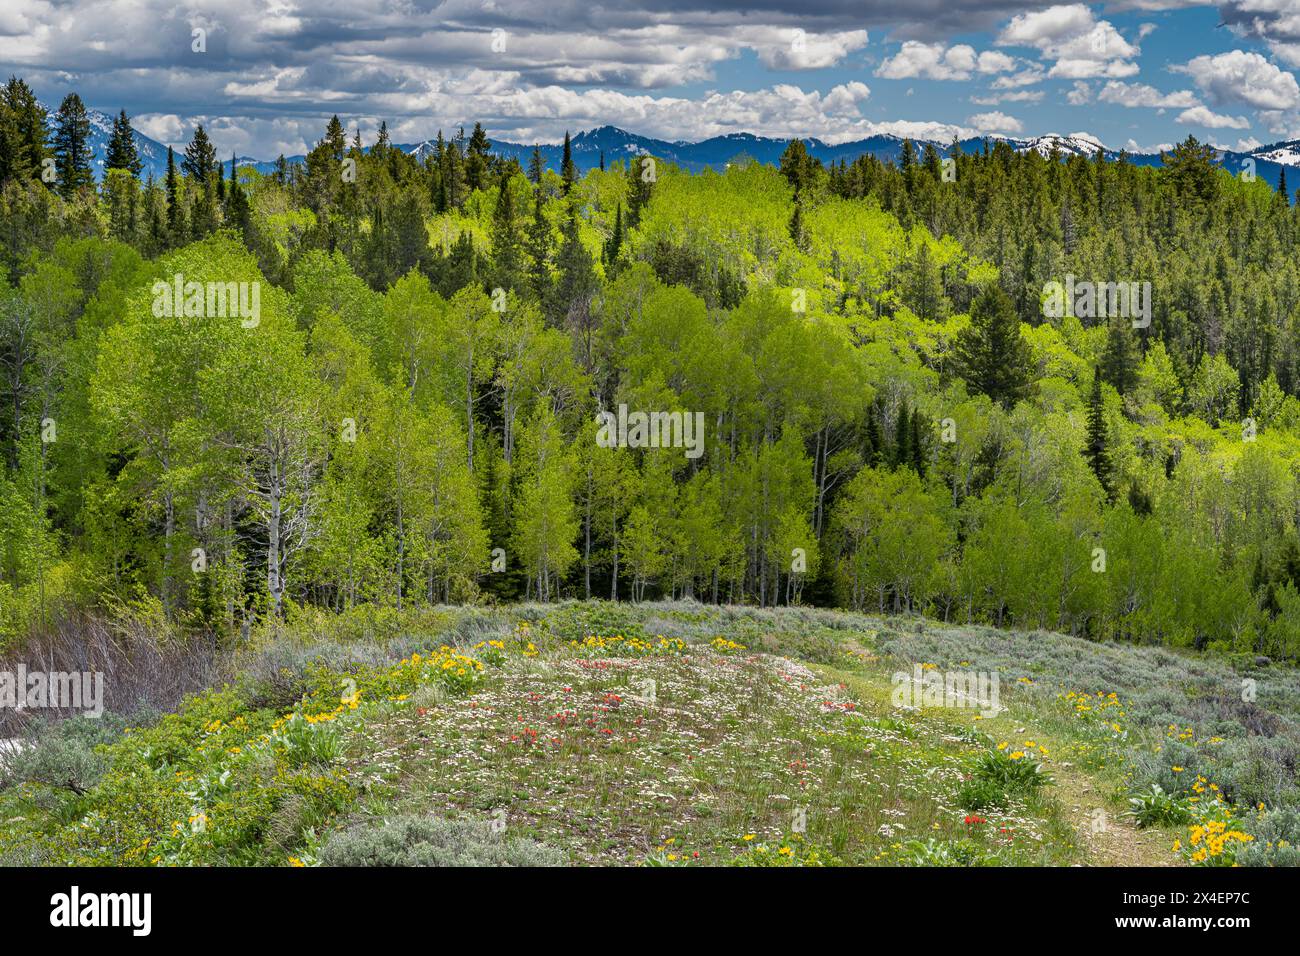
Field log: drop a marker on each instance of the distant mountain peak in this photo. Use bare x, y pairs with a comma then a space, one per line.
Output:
1075, 144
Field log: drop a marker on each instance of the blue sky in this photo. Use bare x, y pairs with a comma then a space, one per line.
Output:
264, 75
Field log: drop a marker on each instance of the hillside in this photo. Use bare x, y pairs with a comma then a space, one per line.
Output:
670, 734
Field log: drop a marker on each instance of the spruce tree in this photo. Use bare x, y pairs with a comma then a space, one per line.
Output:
72, 146
199, 165
990, 353
902, 455
638, 193
200, 157
1119, 362
24, 131
172, 187
615, 241
873, 440
576, 276
1097, 452
476, 159
535, 166
568, 172
539, 250
798, 231
155, 218
336, 139
507, 256
122, 153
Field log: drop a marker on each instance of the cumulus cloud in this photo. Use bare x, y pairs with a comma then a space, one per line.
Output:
1241, 78
1275, 22
1079, 45
1026, 77
934, 61
1139, 94
995, 122
1203, 116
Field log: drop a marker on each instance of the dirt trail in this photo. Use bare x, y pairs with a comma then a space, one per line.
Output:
1106, 837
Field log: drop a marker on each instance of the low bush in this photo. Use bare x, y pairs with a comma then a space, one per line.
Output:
1155, 807
431, 841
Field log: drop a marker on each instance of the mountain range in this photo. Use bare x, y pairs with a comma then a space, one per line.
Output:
611, 144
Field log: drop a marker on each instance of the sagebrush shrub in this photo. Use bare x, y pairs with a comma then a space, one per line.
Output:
64, 754
433, 841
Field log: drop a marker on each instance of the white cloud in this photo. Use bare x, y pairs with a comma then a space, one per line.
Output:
794, 49
1080, 94
1203, 116
935, 62
995, 122
1275, 22
164, 127
1022, 96
1238, 77
1079, 45
1133, 146
1026, 77
1139, 94
993, 61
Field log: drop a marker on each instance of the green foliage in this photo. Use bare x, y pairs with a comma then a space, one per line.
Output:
888, 418
1155, 807
934, 852
1014, 772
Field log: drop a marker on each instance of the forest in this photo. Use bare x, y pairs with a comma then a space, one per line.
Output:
892, 421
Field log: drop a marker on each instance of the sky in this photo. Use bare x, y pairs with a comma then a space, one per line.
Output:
264, 76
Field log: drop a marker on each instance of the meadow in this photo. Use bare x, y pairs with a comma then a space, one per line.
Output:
666, 734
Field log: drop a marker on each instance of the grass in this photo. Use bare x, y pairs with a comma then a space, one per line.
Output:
677, 734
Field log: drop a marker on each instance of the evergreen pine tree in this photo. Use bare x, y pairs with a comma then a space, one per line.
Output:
200, 157
539, 250
72, 146
568, 172
172, 186
476, 159
336, 139
615, 241
798, 231
918, 444
575, 274
1119, 362
507, 256
873, 442
990, 353
121, 152
902, 453
23, 132
1097, 452
638, 194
